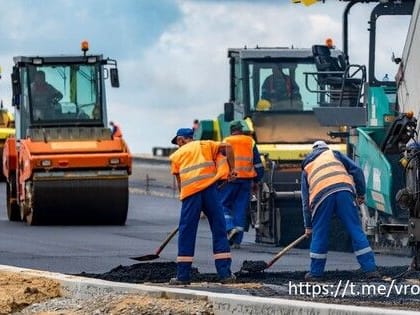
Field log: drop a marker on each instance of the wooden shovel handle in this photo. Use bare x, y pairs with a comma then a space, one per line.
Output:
167, 240
286, 249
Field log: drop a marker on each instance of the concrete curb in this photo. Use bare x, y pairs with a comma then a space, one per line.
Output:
222, 303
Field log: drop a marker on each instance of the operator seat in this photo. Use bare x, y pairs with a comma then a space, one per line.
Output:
325, 63
333, 76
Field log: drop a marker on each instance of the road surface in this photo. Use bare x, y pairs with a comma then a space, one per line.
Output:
153, 213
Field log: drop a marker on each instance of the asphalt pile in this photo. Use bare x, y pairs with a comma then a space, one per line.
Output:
404, 292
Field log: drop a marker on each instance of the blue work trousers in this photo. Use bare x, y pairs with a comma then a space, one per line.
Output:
343, 204
235, 198
207, 201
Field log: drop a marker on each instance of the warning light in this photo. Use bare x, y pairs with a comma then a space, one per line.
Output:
84, 46
329, 43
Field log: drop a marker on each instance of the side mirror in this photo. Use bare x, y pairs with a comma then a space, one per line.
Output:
15, 86
115, 81
228, 111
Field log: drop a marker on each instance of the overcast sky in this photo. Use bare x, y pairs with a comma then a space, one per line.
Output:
171, 53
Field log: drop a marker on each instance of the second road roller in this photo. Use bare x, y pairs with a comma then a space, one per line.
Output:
63, 166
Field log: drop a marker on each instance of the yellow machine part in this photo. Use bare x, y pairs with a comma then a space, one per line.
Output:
208, 129
216, 130
305, 2
7, 129
6, 132
293, 152
7, 124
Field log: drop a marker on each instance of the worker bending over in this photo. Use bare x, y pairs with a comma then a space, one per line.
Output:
332, 184
115, 130
194, 166
235, 196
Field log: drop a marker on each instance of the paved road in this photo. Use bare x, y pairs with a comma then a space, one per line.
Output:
97, 249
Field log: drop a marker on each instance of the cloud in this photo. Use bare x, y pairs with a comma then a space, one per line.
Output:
184, 75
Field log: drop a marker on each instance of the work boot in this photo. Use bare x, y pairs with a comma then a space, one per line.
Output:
309, 277
228, 280
231, 235
373, 275
175, 281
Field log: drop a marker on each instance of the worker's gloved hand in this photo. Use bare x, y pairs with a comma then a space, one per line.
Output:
232, 175
360, 199
308, 232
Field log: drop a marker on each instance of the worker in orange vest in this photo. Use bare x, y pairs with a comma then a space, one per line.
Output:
194, 166
116, 130
333, 184
236, 195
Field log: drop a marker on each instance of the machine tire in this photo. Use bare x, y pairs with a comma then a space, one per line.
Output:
13, 210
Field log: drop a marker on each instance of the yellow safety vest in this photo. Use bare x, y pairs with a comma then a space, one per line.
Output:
326, 170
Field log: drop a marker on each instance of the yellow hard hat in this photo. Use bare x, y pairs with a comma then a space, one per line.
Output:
263, 104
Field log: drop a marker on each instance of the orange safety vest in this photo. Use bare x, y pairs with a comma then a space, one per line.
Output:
196, 166
326, 170
242, 146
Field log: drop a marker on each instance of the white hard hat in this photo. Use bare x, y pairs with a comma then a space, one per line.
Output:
319, 144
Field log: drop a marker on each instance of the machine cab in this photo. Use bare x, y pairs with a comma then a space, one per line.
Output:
271, 79
65, 91
279, 90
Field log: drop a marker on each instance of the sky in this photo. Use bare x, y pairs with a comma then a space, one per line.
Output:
171, 54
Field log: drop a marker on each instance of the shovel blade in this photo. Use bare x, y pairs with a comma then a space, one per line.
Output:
254, 266
145, 257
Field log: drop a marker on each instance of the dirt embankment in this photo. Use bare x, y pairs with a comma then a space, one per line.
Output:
26, 294
17, 291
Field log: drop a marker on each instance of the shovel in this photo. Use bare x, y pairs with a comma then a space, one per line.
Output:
159, 249
258, 266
